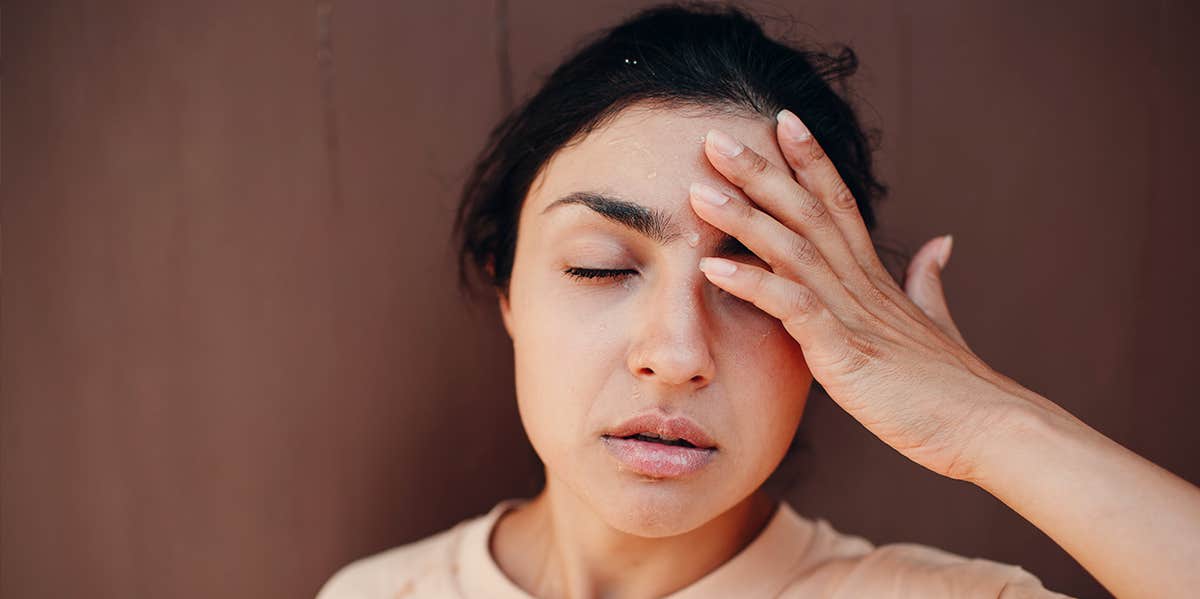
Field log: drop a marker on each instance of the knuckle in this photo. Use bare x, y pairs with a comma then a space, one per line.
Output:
842, 200
812, 207
931, 279
756, 165
802, 304
803, 251
860, 353
815, 152
875, 294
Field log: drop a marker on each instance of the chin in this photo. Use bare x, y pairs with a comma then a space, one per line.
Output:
645, 506
656, 508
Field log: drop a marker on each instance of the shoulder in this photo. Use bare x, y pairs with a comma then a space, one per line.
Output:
914, 570
847, 566
429, 563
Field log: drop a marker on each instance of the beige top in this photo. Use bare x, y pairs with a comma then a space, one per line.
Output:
792, 557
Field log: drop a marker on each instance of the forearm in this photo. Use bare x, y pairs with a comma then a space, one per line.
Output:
1133, 525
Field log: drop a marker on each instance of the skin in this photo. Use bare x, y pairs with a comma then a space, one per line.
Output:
589, 354
891, 357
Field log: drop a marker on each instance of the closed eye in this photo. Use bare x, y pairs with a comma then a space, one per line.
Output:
576, 272
597, 273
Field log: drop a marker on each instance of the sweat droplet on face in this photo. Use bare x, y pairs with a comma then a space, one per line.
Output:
763, 337
693, 239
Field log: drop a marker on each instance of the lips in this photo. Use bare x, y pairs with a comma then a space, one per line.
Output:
659, 446
657, 428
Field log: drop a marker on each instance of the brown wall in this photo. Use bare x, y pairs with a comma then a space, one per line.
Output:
231, 339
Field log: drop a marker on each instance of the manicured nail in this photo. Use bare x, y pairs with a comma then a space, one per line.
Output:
793, 126
944, 254
708, 195
725, 144
717, 266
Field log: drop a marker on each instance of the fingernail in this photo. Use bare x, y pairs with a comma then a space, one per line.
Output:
792, 125
708, 195
724, 143
717, 266
944, 255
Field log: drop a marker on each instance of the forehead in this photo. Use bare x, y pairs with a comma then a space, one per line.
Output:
650, 156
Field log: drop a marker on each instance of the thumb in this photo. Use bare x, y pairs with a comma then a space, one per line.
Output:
924, 284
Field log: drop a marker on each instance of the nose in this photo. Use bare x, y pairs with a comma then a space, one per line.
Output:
672, 340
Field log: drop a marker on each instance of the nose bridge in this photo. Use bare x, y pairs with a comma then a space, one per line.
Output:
671, 342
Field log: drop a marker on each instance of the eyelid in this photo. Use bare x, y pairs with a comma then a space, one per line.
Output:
591, 236
598, 276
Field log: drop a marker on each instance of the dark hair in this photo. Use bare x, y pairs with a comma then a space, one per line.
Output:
670, 55
695, 55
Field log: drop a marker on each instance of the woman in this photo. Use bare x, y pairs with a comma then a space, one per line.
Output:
677, 228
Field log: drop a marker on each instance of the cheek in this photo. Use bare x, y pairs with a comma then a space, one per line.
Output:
563, 361
770, 372
759, 344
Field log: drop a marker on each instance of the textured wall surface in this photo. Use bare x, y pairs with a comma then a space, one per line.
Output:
232, 353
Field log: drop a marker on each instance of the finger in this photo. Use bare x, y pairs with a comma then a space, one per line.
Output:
821, 335
783, 198
924, 285
788, 253
817, 174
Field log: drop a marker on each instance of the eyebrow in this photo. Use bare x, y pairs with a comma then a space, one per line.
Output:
654, 224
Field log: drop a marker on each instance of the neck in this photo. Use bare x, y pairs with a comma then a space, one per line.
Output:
556, 546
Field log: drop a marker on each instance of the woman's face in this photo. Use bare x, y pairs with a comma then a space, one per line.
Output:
654, 337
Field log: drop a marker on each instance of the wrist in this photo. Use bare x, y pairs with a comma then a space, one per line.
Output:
1018, 440
1083, 490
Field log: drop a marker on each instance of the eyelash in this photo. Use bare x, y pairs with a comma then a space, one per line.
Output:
608, 273
597, 273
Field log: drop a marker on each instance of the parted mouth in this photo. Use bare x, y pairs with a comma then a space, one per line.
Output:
656, 427
656, 439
